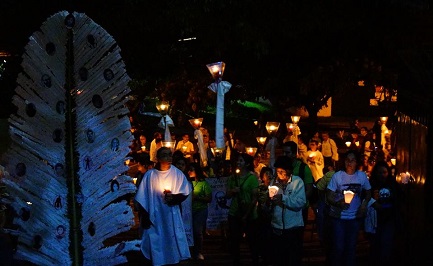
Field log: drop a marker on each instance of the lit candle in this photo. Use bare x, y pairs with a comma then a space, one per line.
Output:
143, 148
134, 180
393, 161
273, 190
348, 143
357, 143
348, 196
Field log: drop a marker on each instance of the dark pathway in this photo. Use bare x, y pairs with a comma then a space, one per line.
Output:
215, 251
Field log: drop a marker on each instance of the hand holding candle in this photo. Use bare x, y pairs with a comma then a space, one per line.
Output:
167, 195
273, 190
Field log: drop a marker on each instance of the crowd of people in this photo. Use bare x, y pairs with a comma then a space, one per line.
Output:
348, 182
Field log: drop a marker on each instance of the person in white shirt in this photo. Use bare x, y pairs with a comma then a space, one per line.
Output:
186, 146
154, 146
159, 195
329, 150
315, 160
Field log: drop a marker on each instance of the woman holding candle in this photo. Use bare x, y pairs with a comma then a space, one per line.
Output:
346, 216
287, 222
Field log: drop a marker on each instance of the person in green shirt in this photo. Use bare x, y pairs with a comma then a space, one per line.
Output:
242, 189
201, 197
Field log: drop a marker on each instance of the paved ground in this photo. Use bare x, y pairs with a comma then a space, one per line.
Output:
215, 251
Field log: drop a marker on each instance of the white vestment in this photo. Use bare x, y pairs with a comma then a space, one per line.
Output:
165, 242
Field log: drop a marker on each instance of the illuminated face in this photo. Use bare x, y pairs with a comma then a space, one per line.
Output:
282, 175
266, 178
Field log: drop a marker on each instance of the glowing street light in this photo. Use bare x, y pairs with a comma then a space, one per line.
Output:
220, 88
198, 135
163, 107
272, 128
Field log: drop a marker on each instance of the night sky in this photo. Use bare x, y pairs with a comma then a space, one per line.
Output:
262, 43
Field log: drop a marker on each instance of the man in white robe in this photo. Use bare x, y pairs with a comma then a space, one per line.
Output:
160, 192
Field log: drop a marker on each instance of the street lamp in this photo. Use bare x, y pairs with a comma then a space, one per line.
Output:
220, 88
262, 141
272, 128
196, 122
295, 119
198, 135
251, 150
168, 144
163, 107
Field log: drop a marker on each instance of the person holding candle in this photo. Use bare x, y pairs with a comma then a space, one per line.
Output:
154, 146
315, 160
264, 214
302, 170
159, 195
286, 209
140, 151
346, 216
242, 188
387, 201
186, 146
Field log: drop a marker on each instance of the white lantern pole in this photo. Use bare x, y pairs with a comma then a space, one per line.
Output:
220, 88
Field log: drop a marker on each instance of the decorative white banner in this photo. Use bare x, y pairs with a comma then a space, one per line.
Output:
219, 206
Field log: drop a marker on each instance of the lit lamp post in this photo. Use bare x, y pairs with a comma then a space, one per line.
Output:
251, 150
296, 129
272, 128
198, 135
220, 88
163, 110
261, 141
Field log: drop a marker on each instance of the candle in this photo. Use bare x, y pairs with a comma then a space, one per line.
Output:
348, 143
348, 196
134, 180
143, 148
273, 190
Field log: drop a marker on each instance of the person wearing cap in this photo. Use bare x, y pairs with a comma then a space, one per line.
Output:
286, 210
